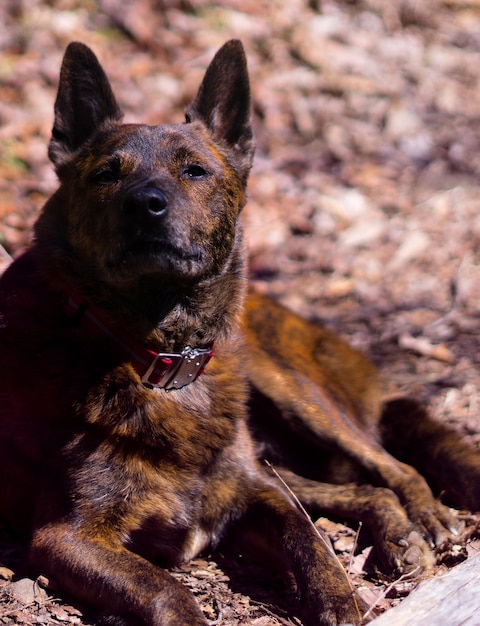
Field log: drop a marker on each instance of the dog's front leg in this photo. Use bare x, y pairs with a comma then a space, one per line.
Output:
102, 573
274, 526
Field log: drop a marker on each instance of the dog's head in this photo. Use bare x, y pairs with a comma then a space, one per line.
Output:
140, 201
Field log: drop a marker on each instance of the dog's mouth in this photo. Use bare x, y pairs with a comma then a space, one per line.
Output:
161, 255
158, 247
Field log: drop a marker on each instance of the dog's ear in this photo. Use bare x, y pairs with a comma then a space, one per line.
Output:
84, 100
223, 103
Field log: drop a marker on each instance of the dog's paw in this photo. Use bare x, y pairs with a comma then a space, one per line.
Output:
417, 554
409, 546
404, 553
335, 610
407, 543
436, 522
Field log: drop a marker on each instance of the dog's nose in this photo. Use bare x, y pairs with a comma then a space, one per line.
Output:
147, 200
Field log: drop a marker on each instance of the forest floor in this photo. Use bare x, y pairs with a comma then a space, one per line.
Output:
363, 206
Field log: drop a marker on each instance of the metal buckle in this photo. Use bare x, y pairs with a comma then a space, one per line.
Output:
183, 368
151, 368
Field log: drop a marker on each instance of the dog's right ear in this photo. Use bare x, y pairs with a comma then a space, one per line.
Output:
84, 101
223, 103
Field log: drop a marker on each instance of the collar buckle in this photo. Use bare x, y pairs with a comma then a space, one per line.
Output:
174, 371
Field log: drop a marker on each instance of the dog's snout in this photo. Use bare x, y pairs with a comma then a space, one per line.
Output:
149, 200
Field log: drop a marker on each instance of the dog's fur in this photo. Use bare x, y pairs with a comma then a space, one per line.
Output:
116, 481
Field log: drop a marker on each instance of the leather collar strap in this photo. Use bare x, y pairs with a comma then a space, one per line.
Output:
163, 370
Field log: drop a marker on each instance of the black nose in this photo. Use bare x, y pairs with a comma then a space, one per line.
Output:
147, 200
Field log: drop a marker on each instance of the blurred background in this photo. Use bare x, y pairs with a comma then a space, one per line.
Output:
364, 199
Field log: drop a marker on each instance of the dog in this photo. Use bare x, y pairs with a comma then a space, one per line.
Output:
143, 382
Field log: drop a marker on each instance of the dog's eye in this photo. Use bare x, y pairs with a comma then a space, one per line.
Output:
194, 171
111, 173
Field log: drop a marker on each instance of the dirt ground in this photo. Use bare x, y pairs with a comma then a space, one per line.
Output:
363, 208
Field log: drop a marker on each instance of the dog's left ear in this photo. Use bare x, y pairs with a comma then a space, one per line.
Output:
223, 104
84, 101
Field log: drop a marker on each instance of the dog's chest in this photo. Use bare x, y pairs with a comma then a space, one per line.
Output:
166, 513
166, 476
171, 530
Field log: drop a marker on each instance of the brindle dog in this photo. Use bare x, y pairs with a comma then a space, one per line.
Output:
123, 456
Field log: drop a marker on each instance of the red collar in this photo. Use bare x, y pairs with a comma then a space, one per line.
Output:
163, 370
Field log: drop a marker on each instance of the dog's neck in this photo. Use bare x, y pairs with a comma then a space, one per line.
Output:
196, 315
166, 315
164, 370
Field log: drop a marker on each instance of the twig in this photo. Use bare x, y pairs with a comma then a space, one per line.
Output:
326, 543
391, 586
5, 255
302, 508
355, 542
285, 620
220, 611
424, 347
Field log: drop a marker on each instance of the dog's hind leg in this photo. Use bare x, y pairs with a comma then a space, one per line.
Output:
442, 455
309, 413
325, 394
398, 546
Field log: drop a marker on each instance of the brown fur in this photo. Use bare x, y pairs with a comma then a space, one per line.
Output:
116, 481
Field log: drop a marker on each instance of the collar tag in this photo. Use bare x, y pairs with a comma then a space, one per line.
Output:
174, 371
